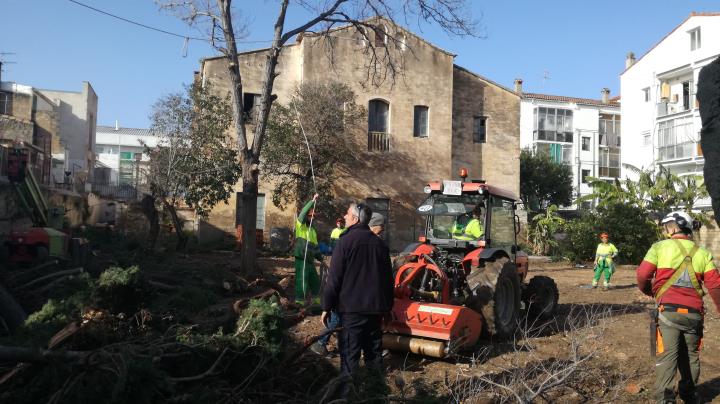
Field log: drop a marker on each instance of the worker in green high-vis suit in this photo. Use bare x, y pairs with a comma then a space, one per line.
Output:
307, 281
604, 264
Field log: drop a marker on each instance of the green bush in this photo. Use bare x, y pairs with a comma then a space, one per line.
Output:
629, 227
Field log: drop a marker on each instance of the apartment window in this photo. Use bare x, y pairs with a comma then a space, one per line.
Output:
250, 104
647, 141
646, 94
609, 130
586, 143
553, 124
585, 175
609, 165
479, 129
695, 41
6, 103
420, 124
686, 95
378, 136
558, 152
380, 36
675, 139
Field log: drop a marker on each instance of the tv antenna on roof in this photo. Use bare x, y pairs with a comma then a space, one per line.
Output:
546, 76
3, 62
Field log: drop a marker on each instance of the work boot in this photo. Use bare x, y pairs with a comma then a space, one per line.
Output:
319, 349
606, 286
594, 284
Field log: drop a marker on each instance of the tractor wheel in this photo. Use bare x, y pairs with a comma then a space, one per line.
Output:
541, 297
496, 295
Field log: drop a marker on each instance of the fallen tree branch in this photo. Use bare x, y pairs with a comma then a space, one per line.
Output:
207, 373
162, 286
29, 273
50, 276
308, 342
37, 355
240, 304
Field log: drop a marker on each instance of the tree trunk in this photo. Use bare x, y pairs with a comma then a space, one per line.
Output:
181, 237
248, 219
148, 209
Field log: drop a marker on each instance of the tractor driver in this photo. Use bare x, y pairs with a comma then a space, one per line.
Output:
473, 230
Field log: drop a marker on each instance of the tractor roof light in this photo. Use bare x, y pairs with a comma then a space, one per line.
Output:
463, 173
427, 189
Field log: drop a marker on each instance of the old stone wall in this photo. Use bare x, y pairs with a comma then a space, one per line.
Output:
709, 237
14, 128
497, 160
423, 76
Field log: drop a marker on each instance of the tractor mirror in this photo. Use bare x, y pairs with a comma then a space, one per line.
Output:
517, 225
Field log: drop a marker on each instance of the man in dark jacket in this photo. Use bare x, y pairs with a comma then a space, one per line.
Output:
708, 96
360, 288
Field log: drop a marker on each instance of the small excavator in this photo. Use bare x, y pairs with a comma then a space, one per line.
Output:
45, 240
450, 290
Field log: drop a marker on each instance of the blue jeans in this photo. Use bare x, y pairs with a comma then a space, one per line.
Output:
334, 322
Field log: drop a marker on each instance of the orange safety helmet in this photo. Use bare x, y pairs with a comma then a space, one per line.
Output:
603, 234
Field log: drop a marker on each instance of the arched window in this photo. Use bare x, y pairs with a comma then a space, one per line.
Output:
378, 111
380, 36
378, 136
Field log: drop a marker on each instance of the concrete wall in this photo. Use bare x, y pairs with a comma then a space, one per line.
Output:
498, 159
77, 113
670, 60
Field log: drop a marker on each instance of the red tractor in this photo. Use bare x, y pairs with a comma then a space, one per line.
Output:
456, 284
44, 240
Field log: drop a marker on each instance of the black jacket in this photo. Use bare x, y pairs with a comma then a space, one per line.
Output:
360, 276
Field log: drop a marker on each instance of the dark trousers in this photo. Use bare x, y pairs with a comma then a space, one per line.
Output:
360, 333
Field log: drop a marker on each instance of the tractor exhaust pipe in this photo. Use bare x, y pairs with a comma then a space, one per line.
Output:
419, 346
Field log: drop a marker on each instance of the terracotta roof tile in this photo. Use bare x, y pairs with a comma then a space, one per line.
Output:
560, 98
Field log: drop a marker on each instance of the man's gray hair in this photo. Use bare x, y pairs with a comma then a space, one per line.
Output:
362, 212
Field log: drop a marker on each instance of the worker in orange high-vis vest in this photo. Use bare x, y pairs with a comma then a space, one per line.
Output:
674, 272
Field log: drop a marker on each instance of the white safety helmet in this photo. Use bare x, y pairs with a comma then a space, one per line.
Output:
682, 219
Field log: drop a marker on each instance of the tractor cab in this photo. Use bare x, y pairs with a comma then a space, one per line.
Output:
462, 216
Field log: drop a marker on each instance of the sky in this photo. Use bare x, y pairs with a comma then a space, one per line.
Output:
561, 47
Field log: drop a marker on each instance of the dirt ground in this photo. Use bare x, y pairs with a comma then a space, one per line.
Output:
621, 369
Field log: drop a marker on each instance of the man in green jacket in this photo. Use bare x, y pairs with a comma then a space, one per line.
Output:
307, 282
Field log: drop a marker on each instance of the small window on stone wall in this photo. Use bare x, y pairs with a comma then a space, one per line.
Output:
479, 129
420, 124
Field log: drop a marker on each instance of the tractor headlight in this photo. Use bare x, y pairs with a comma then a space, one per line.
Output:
427, 189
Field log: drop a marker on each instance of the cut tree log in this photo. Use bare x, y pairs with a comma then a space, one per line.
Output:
37, 355
50, 276
241, 304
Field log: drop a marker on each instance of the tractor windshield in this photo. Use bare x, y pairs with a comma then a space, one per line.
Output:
450, 216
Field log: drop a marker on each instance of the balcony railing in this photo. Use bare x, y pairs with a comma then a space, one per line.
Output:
122, 191
378, 141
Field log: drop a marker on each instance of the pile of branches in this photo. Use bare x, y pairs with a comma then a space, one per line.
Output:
119, 339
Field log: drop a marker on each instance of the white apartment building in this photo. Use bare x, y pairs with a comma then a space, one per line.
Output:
582, 133
120, 154
659, 111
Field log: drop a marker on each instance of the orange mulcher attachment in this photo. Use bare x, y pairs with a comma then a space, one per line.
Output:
431, 327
